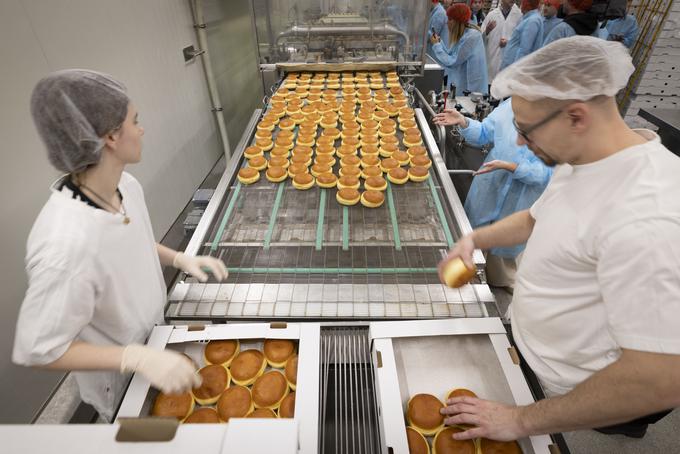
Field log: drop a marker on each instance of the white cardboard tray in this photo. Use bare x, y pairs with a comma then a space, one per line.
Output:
182, 338
435, 356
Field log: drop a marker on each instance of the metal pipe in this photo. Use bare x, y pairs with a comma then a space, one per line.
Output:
199, 25
384, 29
441, 130
461, 172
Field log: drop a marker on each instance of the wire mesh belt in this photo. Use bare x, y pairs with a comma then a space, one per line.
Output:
348, 414
293, 253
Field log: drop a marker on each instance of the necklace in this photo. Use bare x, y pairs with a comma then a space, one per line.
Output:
126, 219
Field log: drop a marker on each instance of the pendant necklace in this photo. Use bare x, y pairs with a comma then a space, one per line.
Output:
126, 219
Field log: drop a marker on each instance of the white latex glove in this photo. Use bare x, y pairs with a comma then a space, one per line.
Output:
169, 371
194, 264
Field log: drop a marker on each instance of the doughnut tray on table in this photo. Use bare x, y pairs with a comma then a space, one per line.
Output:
299, 254
140, 396
436, 356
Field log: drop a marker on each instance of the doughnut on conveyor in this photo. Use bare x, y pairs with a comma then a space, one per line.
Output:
296, 254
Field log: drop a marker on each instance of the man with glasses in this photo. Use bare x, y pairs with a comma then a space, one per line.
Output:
596, 310
510, 180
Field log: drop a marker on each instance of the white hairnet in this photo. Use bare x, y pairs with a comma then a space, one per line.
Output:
72, 110
579, 68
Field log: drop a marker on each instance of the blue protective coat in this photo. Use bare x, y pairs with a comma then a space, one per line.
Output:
526, 38
438, 21
626, 27
548, 25
500, 193
465, 62
561, 30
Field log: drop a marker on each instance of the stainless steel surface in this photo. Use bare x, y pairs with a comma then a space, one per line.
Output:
214, 204
462, 171
348, 414
281, 297
287, 260
305, 31
316, 31
438, 163
441, 130
232, 46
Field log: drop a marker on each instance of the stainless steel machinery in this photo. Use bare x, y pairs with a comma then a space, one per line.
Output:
297, 257
311, 31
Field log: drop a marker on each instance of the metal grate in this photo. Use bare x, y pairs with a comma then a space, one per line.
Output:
297, 218
368, 296
348, 414
299, 254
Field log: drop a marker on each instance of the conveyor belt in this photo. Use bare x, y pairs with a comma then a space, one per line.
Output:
293, 253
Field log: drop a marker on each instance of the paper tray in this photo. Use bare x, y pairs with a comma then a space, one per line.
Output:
139, 397
436, 356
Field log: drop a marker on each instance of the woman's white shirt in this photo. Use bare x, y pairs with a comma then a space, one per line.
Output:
91, 278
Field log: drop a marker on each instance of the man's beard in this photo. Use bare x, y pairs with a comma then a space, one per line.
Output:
543, 156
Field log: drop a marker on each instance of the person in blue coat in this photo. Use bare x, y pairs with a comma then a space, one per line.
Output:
464, 56
438, 24
550, 19
624, 29
578, 21
511, 179
528, 35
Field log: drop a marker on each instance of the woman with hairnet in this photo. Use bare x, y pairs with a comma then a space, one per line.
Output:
95, 286
511, 179
463, 57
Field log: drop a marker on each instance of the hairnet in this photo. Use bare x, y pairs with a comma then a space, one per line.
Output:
459, 12
529, 4
554, 3
72, 110
578, 67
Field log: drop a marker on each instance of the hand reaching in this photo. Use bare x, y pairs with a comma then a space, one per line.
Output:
492, 420
194, 266
464, 249
496, 165
450, 117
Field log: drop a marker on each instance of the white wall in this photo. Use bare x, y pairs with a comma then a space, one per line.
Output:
137, 41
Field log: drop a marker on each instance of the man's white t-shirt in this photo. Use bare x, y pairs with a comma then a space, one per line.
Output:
601, 270
90, 278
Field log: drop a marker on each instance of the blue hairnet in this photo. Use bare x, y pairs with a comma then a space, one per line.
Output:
72, 110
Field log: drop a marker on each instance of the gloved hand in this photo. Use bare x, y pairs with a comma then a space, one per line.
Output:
194, 264
169, 371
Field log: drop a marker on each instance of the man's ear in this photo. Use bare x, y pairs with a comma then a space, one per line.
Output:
580, 116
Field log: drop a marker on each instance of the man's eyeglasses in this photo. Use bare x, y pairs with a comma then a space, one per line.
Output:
524, 133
